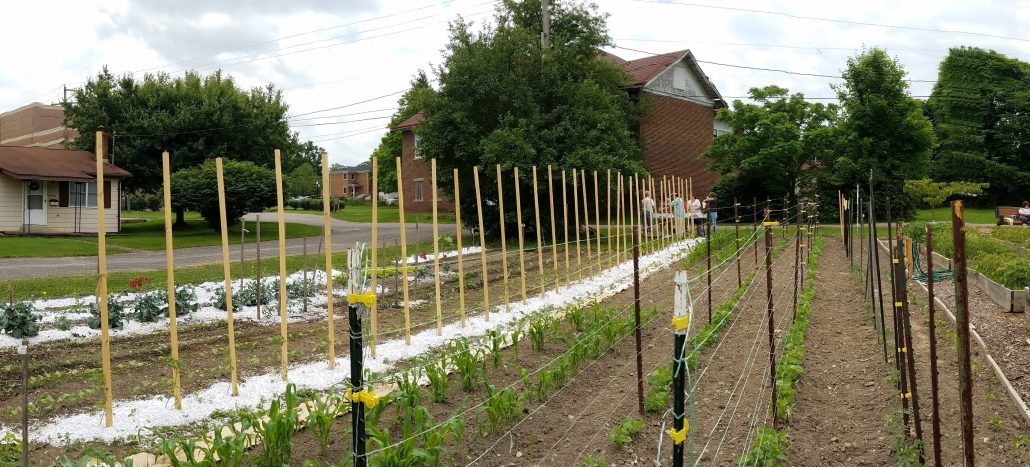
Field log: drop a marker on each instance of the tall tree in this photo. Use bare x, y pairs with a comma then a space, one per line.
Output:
413, 101
980, 109
776, 142
504, 100
193, 117
883, 131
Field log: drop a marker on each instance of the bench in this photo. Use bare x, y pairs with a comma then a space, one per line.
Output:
1006, 214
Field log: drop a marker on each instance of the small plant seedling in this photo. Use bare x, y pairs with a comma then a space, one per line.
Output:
996, 422
626, 432
989, 396
591, 461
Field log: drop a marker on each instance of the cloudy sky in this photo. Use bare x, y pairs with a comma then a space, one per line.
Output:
331, 53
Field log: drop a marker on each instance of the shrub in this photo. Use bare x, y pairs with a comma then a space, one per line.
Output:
248, 188
115, 314
18, 320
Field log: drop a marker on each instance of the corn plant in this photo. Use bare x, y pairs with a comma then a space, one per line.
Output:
575, 317
403, 454
500, 406
172, 447
18, 320
496, 343
516, 336
543, 384
468, 365
626, 432
229, 447
437, 373
537, 332
276, 431
322, 413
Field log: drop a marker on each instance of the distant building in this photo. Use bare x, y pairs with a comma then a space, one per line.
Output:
676, 132
351, 182
35, 125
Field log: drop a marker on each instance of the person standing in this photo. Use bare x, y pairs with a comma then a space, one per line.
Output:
647, 204
712, 209
694, 208
679, 214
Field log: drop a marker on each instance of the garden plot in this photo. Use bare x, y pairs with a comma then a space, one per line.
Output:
131, 416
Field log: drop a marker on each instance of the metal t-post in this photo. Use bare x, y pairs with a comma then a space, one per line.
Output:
965, 382
683, 311
636, 316
769, 311
354, 315
935, 418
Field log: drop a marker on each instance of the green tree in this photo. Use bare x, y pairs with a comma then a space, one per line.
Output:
980, 110
303, 181
883, 131
936, 193
413, 101
503, 100
776, 142
193, 117
248, 188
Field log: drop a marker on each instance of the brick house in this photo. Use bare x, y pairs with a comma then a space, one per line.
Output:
351, 182
35, 125
417, 176
675, 133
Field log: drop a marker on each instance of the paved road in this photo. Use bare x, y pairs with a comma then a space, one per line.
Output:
345, 234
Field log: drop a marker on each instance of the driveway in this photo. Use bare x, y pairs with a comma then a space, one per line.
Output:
345, 235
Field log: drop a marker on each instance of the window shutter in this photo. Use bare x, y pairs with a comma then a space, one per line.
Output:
62, 194
107, 195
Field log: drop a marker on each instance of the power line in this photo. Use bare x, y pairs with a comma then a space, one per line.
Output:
834, 20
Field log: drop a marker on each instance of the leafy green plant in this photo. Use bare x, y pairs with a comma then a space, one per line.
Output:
767, 450
437, 374
496, 343
591, 461
275, 429
10, 450
996, 422
515, 337
467, 363
322, 411
185, 300
115, 314
63, 323
537, 333
19, 320
626, 432
148, 307
659, 384
500, 406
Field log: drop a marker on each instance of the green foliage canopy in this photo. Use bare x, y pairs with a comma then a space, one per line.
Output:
303, 181
248, 188
413, 101
936, 193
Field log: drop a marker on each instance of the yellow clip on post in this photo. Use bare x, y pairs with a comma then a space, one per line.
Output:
908, 395
367, 298
895, 260
369, 398
678, 436
897, 304
680, 324
770, 224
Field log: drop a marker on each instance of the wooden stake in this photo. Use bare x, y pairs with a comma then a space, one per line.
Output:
565, 225
637, 200
404, 254
575, 208
482, 245
618, 218
436, 249
504, 243
284, 299
461, 253
652, 231
608, 217
170, 263
597, 222
327, 235
375, 257
521, 230
228, 277
105, 336
586, 214
539, 235
554, 234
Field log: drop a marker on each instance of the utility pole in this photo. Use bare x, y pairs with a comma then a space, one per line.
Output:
545, 24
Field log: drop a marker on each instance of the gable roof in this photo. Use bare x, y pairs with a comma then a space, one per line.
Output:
33, 163
362, 167
643, 70
410, 122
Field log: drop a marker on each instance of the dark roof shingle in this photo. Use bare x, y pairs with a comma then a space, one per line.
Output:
28, 163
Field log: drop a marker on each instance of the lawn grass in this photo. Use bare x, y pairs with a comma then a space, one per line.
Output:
943, 214
390, 214
39, 247
149, 235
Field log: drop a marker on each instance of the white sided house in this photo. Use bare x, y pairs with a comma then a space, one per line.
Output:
54, 191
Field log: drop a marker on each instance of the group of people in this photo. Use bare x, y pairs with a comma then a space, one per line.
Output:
697, 210
1024, 214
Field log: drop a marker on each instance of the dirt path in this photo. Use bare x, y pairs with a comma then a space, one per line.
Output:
842, 397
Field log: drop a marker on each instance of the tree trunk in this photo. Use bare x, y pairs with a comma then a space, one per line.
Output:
180, 218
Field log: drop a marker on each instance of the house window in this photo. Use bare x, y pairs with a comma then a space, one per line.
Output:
418, 145
418, 190
720, 132
83, 194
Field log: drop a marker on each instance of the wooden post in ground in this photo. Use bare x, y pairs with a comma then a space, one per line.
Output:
611, 225
105, 333
965, 382
565, 226
521, 230
233, 382
170, 263
597, 222
504, 243
482, 245
637, 201
586, 215
257, 264
539, 235
374, 309
652, 230
617, 227
575, 208
554, 234
436, 249
327, 235
736, 233
284, 299
404, 254
461, 253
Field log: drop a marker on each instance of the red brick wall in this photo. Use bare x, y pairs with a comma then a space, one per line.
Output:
675, 135
415, 170
339, 184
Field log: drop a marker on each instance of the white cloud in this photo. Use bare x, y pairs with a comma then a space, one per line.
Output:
369, 48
